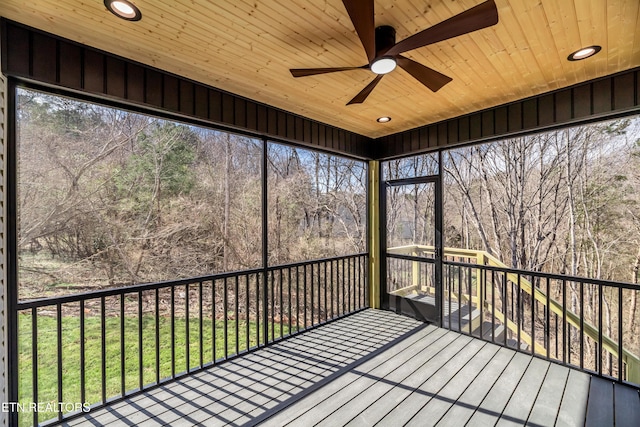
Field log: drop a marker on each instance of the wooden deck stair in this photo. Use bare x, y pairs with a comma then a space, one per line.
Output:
457, 317
460, 316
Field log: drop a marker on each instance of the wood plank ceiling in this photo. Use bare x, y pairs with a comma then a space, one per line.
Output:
247, 47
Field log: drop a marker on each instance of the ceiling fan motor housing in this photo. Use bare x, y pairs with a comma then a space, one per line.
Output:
385, 39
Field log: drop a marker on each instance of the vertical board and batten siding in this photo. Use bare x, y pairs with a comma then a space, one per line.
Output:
3, 278
47, 59
595, 100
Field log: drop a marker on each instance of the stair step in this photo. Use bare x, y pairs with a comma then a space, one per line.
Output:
460, 318
486, 332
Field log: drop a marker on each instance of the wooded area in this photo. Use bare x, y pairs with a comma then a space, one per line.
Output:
112, 198
563, 202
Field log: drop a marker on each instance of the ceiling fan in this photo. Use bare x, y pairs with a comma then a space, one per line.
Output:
383, 52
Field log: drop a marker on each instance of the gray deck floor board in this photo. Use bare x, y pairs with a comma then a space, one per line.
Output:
600, 406
449, 394
491, 407
549, 397
391, 393
367, 387
427, 384
473, 396
378, 368
627, 408
519, 406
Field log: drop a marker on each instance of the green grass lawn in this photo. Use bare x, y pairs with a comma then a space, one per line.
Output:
47, 357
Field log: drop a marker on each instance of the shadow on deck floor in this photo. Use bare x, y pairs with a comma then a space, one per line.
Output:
376, 367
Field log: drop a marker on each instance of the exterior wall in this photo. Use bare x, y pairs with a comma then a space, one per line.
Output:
600, 99
31, 55
3, 277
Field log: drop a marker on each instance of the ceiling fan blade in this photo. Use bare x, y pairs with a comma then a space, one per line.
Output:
362, 17
359, 98
303, 72
478, 17
425, 75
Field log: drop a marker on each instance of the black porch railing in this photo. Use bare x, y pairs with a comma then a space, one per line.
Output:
584, 323
95, 348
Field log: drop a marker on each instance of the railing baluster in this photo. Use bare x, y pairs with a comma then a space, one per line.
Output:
123, 387
265, 307
342, 281
258, 310
312, 296
289, 296
225, 318
332, 283
83, 368
200, 326
459, 299
533, 314
505, 306
35, 359
350, 282
547, 321
103, 350
599, 329
281, 309
324, 281
173, 332
449, 292
304, 291
213, 321
59, 355
482, 279
555, 320
361, 297
493, 306
519, 313
247, 310
581, 325
470, 299
298, 298
272, 283
140, 332
236, 299
620, 337
157, 337
187, 335
564, 322
323, 277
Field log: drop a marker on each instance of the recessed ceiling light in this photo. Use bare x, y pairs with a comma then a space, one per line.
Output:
383, 65
123, 9
383, 119
584, 53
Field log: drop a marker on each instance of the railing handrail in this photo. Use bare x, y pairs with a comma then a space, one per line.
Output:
470, 253
142, 287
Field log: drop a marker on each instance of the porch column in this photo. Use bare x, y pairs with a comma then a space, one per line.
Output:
374, 234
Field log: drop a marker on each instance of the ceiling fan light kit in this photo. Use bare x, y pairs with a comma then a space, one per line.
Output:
383, 65
383, 53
